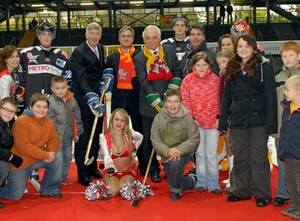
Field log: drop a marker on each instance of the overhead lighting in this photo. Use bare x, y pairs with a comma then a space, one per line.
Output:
37, 5
136, 2
186, 0
86, 3
45, 12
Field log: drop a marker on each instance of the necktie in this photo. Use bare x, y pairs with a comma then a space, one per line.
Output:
155, 52
96, 53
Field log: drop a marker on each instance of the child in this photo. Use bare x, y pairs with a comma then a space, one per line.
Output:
36, 141
223, 57
117, 145
290, 55
200, 91
289, 144
8, 109
249, 109
175, 137
65, 113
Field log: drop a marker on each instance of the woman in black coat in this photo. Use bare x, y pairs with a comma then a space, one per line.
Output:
249, 109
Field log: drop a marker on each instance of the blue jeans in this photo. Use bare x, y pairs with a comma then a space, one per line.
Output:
281, 185
207, 167
17, 179
4, 170
174, 170
66, 160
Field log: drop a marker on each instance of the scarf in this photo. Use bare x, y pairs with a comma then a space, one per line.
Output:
126, 69
157, 68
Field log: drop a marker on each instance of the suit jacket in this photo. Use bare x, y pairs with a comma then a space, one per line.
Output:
86, 69
157, 86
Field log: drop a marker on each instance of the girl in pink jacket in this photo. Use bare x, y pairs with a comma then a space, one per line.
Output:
200, 94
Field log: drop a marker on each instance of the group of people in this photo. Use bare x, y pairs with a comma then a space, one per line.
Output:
176, 96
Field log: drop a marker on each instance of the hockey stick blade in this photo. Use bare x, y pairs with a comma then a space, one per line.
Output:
35, 184
135, 202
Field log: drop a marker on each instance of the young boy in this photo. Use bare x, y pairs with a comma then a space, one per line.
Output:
290, 55
175, 137
289, 144
65, 113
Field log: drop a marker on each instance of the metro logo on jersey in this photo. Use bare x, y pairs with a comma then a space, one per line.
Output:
44, 68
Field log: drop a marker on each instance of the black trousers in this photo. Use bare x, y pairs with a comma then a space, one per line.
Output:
147, 147
87, 118
252, 168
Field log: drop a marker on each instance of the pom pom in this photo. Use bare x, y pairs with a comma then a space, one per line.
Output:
132, 190
97, 191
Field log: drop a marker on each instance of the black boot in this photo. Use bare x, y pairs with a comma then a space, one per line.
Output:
1, 205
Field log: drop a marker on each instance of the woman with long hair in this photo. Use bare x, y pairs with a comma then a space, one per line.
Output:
9, 62
118, 144
249, 109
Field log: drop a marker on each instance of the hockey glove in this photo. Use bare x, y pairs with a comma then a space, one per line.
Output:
96, 107
107, 80
155, 102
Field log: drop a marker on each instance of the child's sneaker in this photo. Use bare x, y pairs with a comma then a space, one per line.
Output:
287, 211
67, 182
34, 174
295, 214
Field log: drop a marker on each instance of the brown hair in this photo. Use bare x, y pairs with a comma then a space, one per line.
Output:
126, 28
225, 53
6, 52
173, 92
38, 97
58, 79
226, 36
126, 129
199, 27
10, 100
234, 65
290, 45
202, 55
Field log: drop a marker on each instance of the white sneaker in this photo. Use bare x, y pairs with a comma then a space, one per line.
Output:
26, 191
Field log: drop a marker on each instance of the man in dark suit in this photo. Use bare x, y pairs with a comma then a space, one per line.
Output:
87, 65
126, 89
155, 66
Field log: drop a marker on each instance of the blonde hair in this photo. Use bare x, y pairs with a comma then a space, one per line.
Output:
293, 82
58, 79
225, 53
126, 131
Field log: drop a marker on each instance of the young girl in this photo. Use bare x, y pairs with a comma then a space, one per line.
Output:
9, 61
227, 41
8, 108
117, 145
223, 57
200, 91
249, 109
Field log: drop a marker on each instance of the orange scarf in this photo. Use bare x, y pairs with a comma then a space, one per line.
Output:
157, 68
126, 69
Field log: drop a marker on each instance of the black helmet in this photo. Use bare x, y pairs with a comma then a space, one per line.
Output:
45, 26
181, 18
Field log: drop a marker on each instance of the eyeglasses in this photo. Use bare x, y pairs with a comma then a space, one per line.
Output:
8, 111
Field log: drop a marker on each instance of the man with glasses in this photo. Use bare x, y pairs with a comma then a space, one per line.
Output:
39, 64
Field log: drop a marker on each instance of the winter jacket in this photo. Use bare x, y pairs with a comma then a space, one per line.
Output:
289, 142
6, 140
34, 138
200, 95
250, 101
280, 80
186, 62
66, 117
180, 131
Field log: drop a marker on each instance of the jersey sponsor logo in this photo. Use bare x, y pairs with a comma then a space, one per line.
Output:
179, 55
32, 58
61, 63
44, 68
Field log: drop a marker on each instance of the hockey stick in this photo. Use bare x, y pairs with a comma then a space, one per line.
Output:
135, 202
88, 161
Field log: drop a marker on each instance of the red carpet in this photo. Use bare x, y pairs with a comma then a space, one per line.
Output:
193, 206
